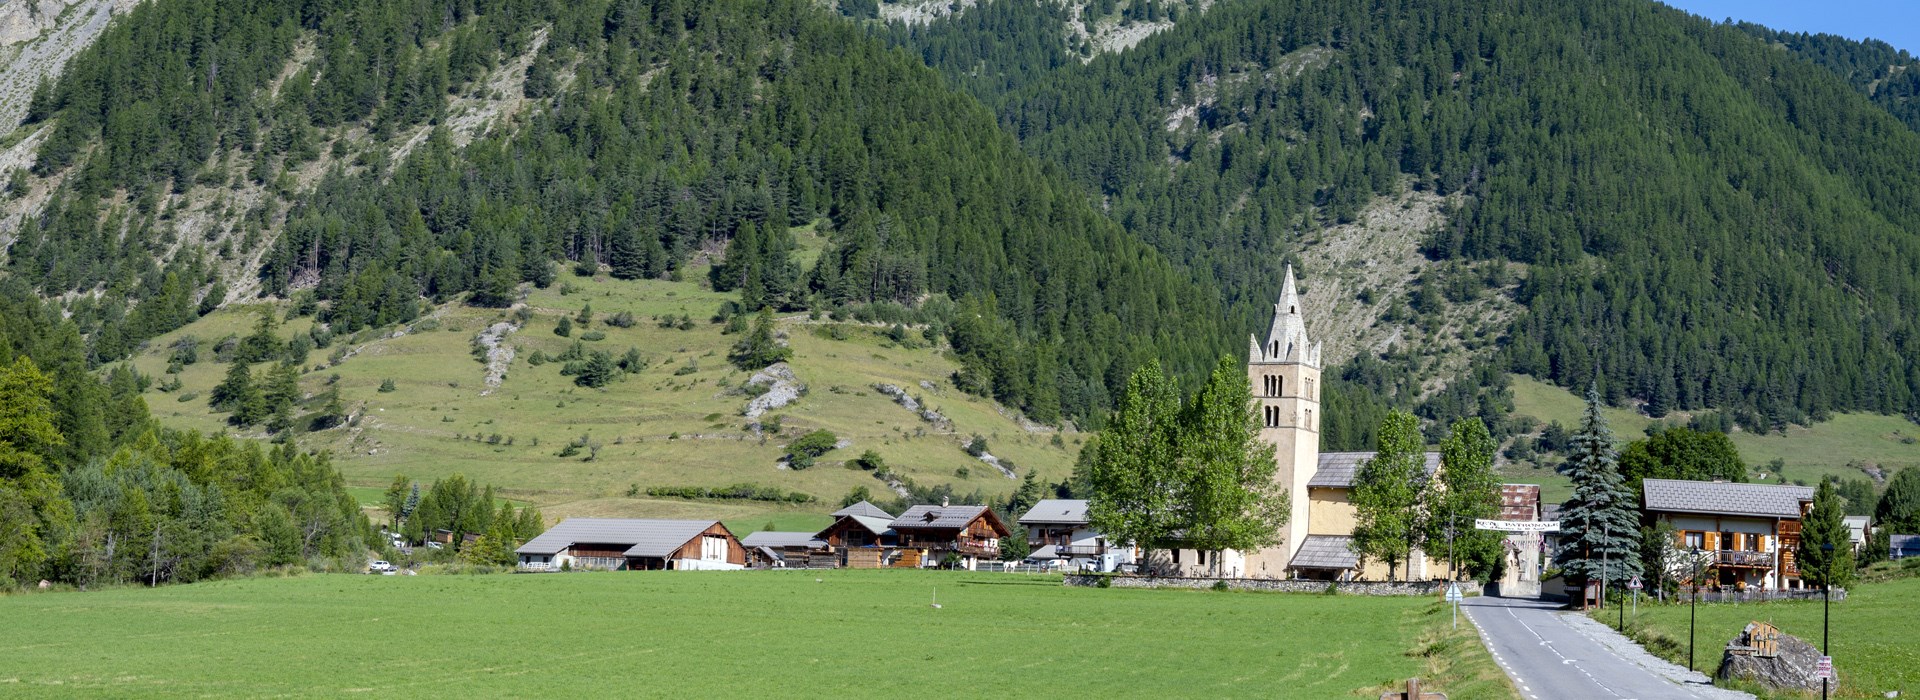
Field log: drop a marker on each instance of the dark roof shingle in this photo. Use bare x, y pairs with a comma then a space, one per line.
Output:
1326, 552
937, 517
1338, 468
1724, 497
644, 538
1057, 511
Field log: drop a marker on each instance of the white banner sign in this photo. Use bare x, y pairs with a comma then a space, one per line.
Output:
1517, 525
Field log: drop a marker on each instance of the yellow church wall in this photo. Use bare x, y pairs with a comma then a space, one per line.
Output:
1329, 512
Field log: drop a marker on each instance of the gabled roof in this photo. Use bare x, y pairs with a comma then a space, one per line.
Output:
783, 539
1326, 552
877, 526
1057, 511
1338, 468
1903, 546
937, 517
643, 538
1724, 498
863, 508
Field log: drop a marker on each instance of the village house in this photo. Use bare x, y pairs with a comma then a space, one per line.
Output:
633, 545
927, 534
861, 537
1746, 533
1057, 531
1523, 550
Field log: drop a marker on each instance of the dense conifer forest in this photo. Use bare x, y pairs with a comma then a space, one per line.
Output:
1704, 219
683, 126
1706, 216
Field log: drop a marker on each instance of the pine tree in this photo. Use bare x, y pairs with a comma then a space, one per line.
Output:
1826, 544
282, 394
264, 343
626, 257
233, 392
1134, 472
396, 498
1899, 506
27, 432
1386, 494
1232, 500
759, 348
1599, 524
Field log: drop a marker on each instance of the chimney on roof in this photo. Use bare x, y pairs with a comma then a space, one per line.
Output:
943, 501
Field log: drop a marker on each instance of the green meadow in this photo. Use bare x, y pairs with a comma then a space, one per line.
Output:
678, 422
1836, 447
1873, 646
726, 634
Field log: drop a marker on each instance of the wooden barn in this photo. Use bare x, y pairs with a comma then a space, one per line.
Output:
633, 545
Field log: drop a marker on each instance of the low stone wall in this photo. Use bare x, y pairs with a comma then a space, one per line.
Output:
1266, 584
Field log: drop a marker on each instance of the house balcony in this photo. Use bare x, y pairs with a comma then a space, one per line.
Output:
1080, 550
1739, 558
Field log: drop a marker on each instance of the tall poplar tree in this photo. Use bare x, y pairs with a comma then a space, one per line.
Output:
1598, 525
1135, 470
1468, 492
1232, 499
1386, 494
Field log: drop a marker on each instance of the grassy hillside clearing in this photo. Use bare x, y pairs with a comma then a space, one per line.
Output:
677, 423
1844, 446
1873, 647
739, 634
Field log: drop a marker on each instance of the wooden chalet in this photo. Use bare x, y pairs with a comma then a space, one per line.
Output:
928, 533
861, 537
1747, 533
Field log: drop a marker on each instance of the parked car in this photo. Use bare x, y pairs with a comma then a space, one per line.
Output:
380, 566
434, 545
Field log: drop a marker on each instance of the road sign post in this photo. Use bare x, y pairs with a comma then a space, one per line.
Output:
1633, 585
1454, 596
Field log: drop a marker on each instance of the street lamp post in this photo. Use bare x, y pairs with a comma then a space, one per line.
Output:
1826, 610
1693, 605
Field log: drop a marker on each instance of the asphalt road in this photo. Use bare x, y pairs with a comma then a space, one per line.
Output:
1555, 655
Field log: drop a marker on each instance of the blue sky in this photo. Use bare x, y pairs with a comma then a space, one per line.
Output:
1896, 22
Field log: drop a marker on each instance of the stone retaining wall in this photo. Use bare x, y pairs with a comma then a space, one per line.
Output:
1265, 584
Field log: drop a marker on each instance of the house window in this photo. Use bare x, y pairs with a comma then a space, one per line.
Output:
1695, 540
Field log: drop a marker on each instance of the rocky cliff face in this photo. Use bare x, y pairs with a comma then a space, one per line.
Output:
36, 39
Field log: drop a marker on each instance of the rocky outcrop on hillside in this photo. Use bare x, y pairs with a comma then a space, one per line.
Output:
907, 401
782, 388
36, 39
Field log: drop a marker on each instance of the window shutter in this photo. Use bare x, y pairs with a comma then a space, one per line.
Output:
1713, 541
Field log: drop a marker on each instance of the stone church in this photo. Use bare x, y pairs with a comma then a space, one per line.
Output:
1315, 542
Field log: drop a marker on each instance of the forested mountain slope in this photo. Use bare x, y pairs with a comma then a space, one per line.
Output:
1705, 219
1888, 76
200, 151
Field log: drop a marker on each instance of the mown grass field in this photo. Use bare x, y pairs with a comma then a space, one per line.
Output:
677, 423
726, 634
1873, 644
1830, 447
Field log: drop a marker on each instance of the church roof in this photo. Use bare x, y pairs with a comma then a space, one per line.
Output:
1325, 552
1338, 468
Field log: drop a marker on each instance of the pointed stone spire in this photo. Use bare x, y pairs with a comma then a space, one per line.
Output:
1287, 339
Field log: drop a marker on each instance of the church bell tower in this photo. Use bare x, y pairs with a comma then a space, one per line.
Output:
1285, 373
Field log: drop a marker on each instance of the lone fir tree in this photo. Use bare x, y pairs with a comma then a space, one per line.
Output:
1599, 534
1826, 544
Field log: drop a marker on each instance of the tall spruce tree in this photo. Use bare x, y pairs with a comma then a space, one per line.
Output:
1899, 506
1826, 547
1599, 532
625, 255
1134, 471
1468, 492
1386, 494
1232, 500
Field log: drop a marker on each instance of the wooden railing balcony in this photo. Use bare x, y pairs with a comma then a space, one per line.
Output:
1734, 557
1081, 550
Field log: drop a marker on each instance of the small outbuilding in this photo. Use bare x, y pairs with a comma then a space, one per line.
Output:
792, 550
623, 544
